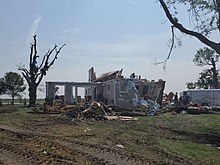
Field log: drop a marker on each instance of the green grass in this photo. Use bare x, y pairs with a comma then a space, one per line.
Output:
20, 116
195, 151
189, 123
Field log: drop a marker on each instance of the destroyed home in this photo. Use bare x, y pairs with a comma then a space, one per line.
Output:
111, 88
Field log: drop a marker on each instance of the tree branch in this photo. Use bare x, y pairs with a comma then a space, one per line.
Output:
171, 48
55, 57
46, 64
26, 77
199, 36
42, 62
24, 70
40, 78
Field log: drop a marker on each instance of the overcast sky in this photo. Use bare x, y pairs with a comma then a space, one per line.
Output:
105, 34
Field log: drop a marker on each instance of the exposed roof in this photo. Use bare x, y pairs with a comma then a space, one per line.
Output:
109, 76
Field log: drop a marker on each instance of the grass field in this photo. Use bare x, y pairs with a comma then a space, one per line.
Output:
162, 139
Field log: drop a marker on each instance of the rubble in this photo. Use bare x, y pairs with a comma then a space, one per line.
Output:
188, 107
93, 110
97, 110
192, 110
100, 111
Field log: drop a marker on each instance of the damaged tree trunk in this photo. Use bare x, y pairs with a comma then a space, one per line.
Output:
35, 73
32, 95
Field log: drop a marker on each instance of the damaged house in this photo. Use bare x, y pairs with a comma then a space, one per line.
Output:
112, 89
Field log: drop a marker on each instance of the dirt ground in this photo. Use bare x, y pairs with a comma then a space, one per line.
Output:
33, 143
74, 151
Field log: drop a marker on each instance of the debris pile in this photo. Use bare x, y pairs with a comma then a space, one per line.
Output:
185, 105
91, 110
58, 107
94, 110
97, 111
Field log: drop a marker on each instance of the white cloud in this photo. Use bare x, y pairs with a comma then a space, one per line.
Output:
31, 33
34, 27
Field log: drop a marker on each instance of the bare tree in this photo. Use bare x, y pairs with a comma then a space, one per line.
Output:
35, 74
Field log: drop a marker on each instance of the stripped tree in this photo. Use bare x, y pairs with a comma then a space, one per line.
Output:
204, 15
35, 73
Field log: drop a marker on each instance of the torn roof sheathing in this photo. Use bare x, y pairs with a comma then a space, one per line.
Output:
109, 76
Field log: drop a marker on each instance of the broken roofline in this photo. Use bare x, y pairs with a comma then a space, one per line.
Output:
109, 75
118, 75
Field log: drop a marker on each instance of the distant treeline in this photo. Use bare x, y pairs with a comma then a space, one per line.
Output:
20, 101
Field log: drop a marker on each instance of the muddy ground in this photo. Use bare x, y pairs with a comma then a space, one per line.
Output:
32, 142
